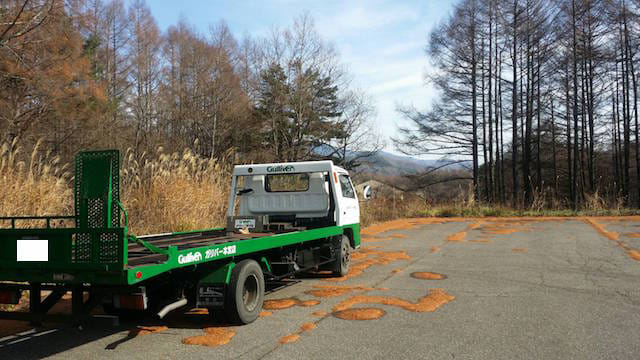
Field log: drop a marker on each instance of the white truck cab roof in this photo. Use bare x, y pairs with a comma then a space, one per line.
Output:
287, 167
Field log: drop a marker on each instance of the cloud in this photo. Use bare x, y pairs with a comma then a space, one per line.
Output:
354, 18
410, 81
403, 47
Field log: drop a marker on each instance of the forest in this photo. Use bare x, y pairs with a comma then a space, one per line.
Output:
101, 73
536, 106
539, 97
181, 104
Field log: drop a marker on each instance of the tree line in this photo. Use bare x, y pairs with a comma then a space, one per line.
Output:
79, 74
539, 97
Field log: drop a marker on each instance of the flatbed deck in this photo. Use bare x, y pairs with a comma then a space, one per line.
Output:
140, 256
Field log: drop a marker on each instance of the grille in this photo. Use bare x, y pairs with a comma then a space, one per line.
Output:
109, 247
81, 248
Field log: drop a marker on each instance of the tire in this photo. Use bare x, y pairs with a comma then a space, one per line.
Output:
343, 257
245, 294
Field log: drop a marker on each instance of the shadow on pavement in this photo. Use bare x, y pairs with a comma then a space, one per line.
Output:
52, 339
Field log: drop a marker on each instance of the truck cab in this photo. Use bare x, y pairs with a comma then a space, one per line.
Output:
294, 195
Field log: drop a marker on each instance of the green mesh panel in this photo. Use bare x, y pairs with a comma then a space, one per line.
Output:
97, 192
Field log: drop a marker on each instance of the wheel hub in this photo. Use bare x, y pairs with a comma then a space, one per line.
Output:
250, 292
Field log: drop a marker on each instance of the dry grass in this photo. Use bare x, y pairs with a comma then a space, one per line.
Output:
182, 191
174, 192
163, 192
387, 208
33, 185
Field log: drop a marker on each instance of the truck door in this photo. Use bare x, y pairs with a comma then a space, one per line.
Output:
349, 210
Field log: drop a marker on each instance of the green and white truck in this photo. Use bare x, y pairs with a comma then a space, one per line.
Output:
282, 219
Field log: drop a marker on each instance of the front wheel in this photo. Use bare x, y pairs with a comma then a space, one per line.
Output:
343, 257
246, 292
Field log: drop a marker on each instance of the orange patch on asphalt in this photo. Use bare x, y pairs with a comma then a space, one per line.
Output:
319, 313
280, 304
289, 338
333, 291
307, 326
395, 271
401, 224
481, 240
373, 257
635, 254
146, 330
507, 226
428, 276
519, 250
613, 236
435, 249
459, 236
215, 336
502, 231
265, 313
360, 314
374, 239
475, 225
601, 230
428, 303
407, 224
308, 303
399, 236
358, 255
633, 235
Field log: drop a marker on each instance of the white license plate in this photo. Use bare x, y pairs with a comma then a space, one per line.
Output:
246, 223
32, 250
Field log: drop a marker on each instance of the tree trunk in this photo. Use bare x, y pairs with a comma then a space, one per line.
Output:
553, 150
631, 69
490, 117
538, 128
568, 119
574, 194
526, 158
474, 105
484, 126
514, 108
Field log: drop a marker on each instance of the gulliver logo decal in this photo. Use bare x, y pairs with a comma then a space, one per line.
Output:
281, 168
190, 257
196, 256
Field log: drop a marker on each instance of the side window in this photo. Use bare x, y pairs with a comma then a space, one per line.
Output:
347, 189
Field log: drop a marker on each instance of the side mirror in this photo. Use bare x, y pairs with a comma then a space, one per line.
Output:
367, 192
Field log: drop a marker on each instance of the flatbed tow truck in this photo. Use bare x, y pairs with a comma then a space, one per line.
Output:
291, 217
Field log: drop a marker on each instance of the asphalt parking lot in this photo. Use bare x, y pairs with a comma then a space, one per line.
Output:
419, 289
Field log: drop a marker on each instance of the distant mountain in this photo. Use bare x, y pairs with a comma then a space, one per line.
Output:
386, 163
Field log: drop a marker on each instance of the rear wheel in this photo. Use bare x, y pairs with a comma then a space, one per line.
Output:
343, 257
245, 295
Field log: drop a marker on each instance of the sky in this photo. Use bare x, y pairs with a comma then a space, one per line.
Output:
380, 42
